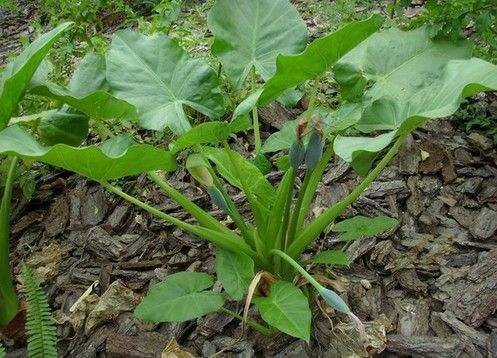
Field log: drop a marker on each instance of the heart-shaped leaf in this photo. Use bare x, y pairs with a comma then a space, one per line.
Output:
180, 297
156, 75
360, 227
64, 126
287, 309
116, 158
16, 77
235, 271
251, 34
318, 57
87, 92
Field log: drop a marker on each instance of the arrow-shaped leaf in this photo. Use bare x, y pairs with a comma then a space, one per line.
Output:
180, 297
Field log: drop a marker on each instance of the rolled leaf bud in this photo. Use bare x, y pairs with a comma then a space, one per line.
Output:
333, 300
300, 130
296, 154
218, 199
197, 167
318, 124
314, 150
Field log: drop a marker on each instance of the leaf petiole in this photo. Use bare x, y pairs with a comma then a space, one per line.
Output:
9, 303
320, 224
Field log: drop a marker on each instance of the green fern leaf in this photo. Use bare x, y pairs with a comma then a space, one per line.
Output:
42, 341
2, 351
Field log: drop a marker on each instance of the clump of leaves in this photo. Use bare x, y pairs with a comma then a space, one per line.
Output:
259, 256
474, 115
459, 19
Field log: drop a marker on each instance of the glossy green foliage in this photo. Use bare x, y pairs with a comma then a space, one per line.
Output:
360, 227
331, 257
258, 185
180, 297
423, 79
287, 309
157, 76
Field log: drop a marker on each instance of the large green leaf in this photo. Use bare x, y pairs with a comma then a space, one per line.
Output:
156, 75
399, 63
441, 98
180, 297
235, 271
260, 187
116, 158
88, 92
251, 34
317, 58
17, 75
362, 227
64, 126
89, 76
287, 309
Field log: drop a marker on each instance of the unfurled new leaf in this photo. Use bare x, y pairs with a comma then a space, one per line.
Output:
180, 297
287, 309
115, 158
251, 34
157, 76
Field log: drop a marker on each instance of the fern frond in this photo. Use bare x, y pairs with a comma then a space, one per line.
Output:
2, 351
42, 337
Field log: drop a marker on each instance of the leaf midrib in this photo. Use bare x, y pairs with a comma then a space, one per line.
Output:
150, 70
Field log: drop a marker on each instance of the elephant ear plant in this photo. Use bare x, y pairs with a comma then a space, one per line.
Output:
259, 257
